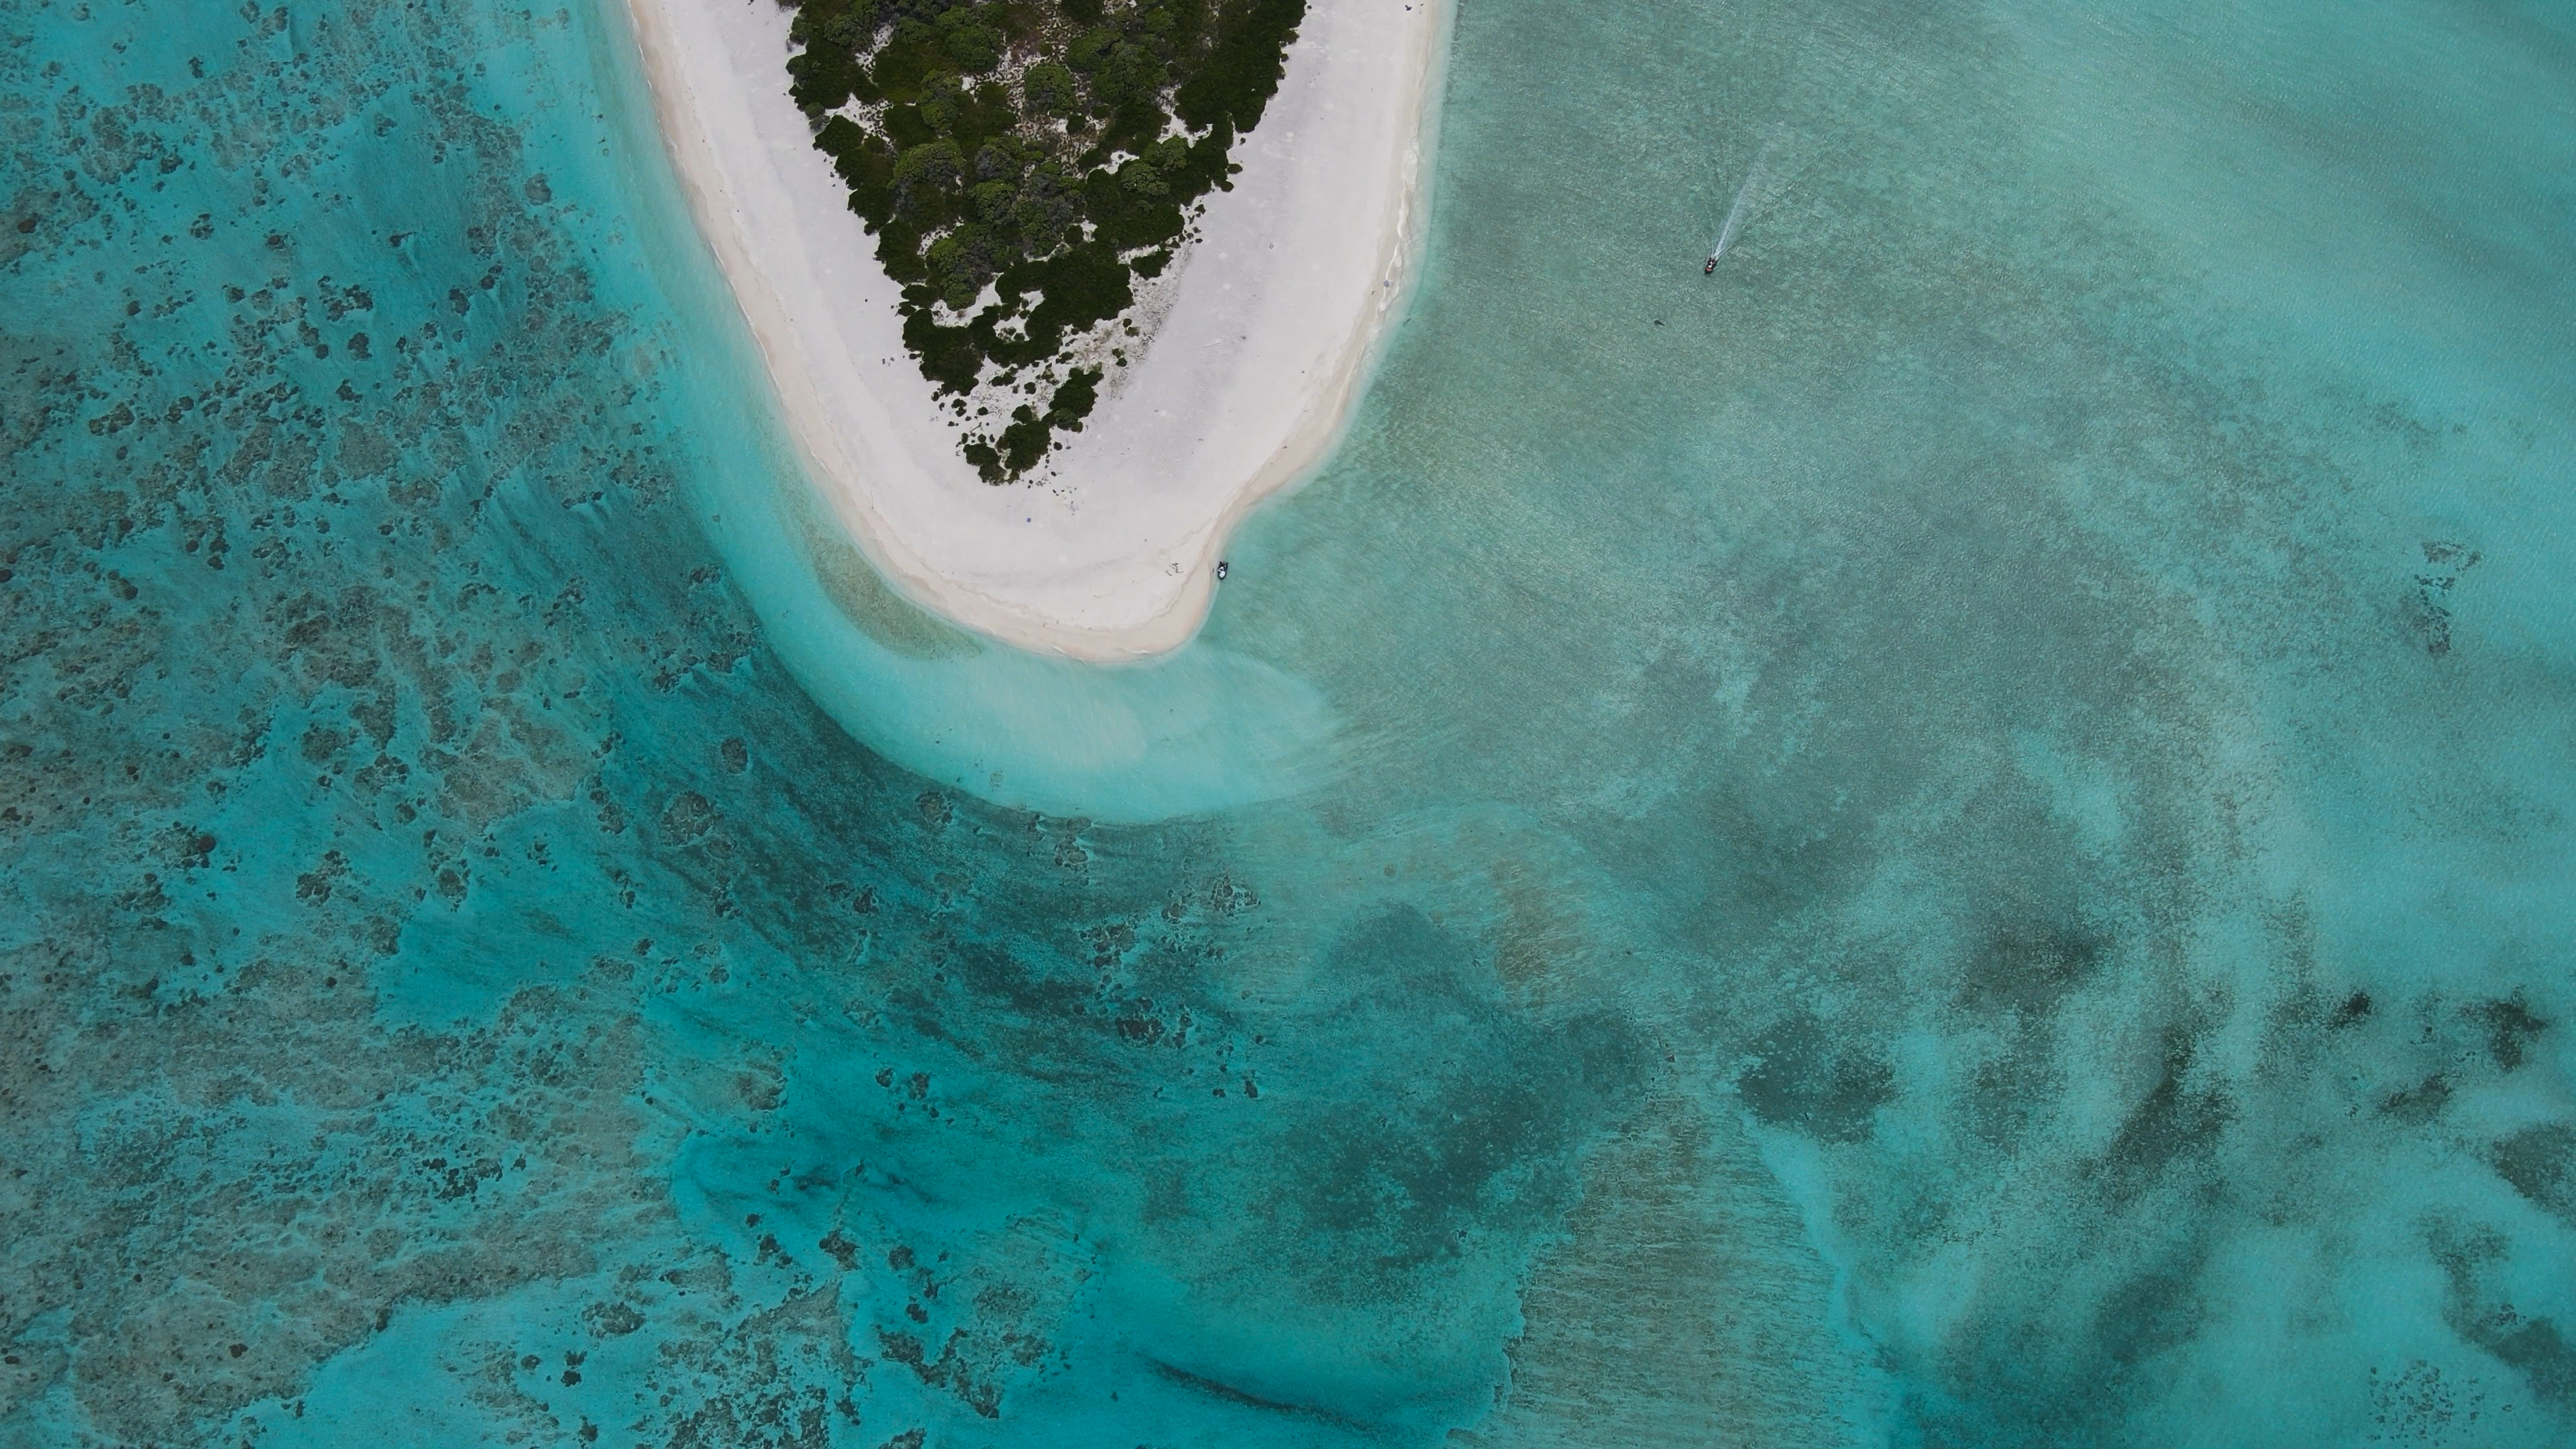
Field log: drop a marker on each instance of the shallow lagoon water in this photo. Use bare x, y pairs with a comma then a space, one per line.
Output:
1958, 834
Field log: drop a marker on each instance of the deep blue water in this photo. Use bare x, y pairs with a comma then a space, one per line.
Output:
1958, 835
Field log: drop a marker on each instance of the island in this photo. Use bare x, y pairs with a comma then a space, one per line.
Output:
1052, 292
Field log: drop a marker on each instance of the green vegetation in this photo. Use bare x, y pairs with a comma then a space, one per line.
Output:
1044, 151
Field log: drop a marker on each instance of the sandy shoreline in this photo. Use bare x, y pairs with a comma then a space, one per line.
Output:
1274, 318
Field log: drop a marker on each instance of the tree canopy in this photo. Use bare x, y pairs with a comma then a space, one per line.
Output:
1041, 153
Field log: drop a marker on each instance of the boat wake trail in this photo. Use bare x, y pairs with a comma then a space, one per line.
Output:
1745, 197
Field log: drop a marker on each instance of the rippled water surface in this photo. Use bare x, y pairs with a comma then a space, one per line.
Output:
1958, 834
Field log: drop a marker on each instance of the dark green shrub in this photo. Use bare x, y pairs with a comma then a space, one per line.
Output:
973, 45
948, 355
899, 251
1090, 48
907, 127
1048, 89
1073, 401
1241, 71
932, 163
913, 56
823, 79
1024, 442
996, 202
986, 114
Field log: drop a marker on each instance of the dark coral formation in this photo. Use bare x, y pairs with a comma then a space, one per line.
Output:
1049, 150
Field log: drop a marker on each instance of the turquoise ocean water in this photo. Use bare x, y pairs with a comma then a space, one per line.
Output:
1957, 835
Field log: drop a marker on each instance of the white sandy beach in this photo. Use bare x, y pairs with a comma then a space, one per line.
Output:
1274, 316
